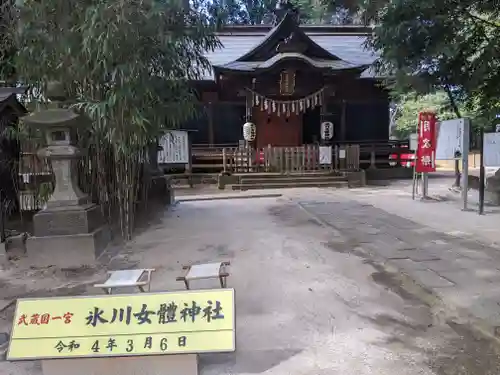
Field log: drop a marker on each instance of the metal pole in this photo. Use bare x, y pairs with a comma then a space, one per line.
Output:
425, 185
465, 161
482, 182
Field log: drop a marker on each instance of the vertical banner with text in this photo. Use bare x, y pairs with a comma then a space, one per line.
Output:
426, 150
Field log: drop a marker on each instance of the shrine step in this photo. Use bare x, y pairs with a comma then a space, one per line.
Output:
251, 180
289, 184
272, 175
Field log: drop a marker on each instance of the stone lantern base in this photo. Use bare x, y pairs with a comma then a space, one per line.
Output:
68, 236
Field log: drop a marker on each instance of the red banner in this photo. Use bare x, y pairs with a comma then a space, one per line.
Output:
426, 151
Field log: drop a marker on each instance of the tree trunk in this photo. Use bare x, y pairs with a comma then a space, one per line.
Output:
454, 106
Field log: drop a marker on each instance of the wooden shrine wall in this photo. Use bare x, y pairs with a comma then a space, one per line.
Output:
359, 110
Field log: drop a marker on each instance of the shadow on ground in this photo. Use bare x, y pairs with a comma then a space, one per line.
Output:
247, 361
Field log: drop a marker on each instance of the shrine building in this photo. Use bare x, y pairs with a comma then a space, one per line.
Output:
287, 80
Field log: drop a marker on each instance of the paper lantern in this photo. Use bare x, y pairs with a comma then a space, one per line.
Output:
326, 130
249, 131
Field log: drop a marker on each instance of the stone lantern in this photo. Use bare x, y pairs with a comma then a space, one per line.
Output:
59, 126
69, 231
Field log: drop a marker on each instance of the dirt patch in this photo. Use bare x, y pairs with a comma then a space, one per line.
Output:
348, 246
293, 216
467, 354
392, 283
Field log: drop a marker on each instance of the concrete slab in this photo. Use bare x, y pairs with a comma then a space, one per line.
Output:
430, 279
186, 364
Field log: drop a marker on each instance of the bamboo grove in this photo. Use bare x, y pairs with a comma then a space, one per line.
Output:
126, 64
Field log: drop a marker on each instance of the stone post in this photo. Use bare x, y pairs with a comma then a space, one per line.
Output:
70, 230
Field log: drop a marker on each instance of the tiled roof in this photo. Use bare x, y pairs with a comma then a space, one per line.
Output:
7, 92
348, 47
8, 96
254, 65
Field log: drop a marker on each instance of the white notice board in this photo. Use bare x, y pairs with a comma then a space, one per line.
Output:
491, 149
325, 154
175, 144
413, 141
450, 135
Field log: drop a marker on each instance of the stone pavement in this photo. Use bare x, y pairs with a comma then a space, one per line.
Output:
308, 300
457, 270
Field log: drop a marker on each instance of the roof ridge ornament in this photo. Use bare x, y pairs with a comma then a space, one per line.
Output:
285, 8
292, 43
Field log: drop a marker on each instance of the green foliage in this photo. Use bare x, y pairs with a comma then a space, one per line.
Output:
409, 105
443, 44
7, 40
125, 64
257, 12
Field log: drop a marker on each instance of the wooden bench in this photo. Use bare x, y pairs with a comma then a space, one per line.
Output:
217, 270
139, 278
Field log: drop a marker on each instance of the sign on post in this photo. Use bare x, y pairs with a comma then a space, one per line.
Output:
491, 150
175, 148
124, 325
450, 135
426, 148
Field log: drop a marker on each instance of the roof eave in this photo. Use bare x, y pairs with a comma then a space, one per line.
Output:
325, 70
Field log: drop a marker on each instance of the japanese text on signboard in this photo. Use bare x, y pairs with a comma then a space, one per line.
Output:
426, 150
142, 324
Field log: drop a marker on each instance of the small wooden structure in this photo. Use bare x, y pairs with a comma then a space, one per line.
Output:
10, 112
216, 270
139, 278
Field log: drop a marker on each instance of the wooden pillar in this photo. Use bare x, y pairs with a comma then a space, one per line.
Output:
211, 124
322, 111
343, 124
249, 105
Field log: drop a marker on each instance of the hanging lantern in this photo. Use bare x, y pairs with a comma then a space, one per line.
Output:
326, 130
249, 131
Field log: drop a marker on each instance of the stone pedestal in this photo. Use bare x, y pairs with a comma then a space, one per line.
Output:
69, 231
492, 190
182, 364
3, 254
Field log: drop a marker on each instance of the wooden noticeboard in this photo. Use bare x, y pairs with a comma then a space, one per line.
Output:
143, 324
175, 148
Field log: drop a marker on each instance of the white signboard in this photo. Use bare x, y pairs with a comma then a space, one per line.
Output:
325, 154
175, 144
450, 137
491, 149
413, 141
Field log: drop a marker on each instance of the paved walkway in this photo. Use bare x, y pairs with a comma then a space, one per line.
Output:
453, 255
309, 299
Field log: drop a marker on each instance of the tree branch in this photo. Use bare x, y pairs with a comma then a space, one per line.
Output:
452, 100
480, 19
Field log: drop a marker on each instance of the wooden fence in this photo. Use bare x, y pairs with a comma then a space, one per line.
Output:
369, 154
301, 159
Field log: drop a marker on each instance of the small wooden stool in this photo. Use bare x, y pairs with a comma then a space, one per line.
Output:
127, 278
206, 271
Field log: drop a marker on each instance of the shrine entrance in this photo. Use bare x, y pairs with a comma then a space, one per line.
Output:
311, 126
283, 130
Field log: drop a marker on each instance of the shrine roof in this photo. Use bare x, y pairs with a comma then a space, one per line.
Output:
8, 97
250, 66
345, 44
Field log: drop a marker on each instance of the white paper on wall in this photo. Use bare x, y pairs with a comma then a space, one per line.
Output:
175, 144
325, 154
